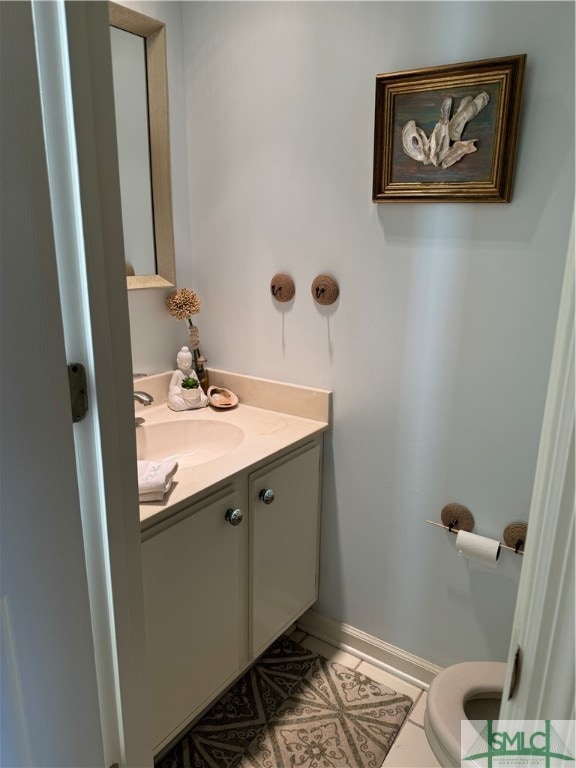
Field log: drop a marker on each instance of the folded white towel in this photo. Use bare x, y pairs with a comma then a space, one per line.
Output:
155, 479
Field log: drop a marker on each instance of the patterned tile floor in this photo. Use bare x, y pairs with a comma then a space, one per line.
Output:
410, 750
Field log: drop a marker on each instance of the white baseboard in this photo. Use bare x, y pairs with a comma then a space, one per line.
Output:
405, 665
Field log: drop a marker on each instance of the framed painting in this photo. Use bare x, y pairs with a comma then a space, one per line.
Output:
448, 134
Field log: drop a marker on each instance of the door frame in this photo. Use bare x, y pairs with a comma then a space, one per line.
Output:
543, 627
90, 71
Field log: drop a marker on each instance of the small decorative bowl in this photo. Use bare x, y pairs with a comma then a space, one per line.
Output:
219, 397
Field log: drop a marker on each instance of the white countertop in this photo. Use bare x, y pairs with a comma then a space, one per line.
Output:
267, 434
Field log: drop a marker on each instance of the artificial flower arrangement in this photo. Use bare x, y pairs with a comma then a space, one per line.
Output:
183, 304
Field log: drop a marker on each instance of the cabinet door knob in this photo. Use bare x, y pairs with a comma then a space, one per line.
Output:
266, 495
234, 516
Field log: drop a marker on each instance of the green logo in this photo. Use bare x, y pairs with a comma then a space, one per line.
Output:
538, 745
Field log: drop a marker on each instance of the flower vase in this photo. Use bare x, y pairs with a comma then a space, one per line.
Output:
198, 359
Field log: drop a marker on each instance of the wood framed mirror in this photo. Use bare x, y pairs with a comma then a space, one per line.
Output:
141, 95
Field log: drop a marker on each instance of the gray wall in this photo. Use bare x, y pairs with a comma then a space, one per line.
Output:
438, 349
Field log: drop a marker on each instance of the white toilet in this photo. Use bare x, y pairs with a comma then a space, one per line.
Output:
468, 691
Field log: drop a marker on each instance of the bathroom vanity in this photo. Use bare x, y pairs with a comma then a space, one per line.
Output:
230, 558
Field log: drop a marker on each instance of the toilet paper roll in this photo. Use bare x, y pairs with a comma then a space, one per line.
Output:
477, 548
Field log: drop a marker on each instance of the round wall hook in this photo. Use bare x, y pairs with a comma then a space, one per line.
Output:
514, 536
282, 287
325, 289
457, 517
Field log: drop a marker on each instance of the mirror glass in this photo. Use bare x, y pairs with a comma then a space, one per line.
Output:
138, 45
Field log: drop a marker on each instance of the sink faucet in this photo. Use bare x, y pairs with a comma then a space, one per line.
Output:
144, 398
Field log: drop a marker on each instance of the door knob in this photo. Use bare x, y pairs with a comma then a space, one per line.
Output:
266, 495
234, 516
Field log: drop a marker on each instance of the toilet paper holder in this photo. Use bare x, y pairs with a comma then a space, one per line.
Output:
457, 517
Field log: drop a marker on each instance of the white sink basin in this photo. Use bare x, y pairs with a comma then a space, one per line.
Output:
189, 442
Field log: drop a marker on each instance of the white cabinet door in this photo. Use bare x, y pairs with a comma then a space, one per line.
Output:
195, 595
283, 544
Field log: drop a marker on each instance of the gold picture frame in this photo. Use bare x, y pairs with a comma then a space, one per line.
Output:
449, 133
